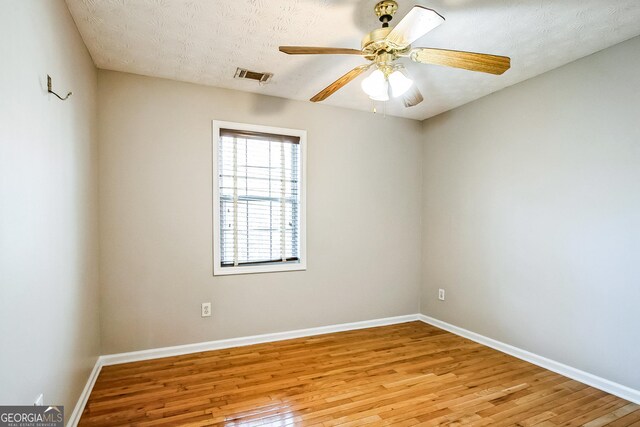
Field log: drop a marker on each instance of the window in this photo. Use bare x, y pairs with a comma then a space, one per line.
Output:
259, 199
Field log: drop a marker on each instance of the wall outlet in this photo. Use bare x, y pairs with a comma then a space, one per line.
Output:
205, 309
39, 400
441, 294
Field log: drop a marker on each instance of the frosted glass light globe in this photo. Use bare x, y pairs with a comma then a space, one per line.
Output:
400, 83
376, 86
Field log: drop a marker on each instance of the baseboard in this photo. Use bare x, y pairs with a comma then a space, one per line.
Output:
611, 387
74, 419
616, 389
155, 353
135, 356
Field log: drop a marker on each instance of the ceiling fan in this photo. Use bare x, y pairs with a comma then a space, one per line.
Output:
384, 46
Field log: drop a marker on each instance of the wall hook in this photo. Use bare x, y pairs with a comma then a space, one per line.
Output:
51, 91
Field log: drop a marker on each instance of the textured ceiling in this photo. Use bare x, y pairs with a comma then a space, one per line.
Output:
203, 41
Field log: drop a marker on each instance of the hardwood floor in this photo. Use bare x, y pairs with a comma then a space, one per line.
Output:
401, 375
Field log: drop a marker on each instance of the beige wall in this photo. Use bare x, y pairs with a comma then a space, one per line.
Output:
49, 326
363, 204
531, 213
528, 199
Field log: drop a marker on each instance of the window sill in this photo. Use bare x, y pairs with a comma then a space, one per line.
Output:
254, 269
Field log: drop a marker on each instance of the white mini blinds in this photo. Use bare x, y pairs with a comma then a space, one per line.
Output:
259, 177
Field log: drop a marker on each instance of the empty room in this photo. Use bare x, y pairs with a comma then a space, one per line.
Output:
319, 213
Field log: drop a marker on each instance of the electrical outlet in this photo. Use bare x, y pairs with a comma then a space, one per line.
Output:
39, 400
205, 309
441, 294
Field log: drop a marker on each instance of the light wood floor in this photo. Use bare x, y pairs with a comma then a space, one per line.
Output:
408, 374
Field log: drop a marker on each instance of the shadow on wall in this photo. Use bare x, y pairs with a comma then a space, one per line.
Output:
268, 106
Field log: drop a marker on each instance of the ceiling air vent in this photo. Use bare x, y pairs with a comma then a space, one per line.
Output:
261, 78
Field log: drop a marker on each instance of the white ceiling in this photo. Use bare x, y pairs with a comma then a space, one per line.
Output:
203, 41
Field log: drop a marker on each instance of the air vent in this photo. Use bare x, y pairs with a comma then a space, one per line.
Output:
262, 78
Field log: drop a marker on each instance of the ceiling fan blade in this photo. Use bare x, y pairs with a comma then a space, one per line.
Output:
482, 62
338, 84
310, 50
418, 22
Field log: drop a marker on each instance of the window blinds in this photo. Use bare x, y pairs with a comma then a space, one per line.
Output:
258, 179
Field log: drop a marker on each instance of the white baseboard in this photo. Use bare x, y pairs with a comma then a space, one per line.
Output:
611, 387
74, 419
619, 390
155, 353
135, 356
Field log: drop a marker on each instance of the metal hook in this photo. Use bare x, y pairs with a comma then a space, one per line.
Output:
51, 91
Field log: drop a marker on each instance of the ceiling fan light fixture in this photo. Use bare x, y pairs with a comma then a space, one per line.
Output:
399, 83
376, 86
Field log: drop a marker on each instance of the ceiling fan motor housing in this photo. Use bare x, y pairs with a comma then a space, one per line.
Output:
375, 40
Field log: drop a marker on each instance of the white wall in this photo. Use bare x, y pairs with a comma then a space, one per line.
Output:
363, 204
49, 326
531, 213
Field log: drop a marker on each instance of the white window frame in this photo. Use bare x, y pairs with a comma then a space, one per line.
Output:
218, 270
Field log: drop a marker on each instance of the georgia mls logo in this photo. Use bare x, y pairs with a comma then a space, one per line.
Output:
53, 410
31, 416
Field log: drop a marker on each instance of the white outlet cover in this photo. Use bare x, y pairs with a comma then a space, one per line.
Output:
205, 310
441, 294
